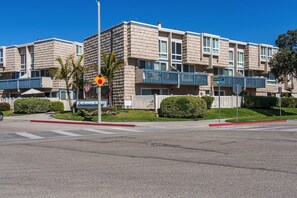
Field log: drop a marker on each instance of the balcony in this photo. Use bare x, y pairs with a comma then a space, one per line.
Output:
248, 82
26, 83
170, 77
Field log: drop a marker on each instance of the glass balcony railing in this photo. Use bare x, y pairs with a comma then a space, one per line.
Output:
174, 78
25, 83
248, 82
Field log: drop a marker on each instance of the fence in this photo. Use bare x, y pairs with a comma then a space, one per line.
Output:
152, 102
11, 102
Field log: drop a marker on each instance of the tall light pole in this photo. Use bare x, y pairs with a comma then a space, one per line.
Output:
99, 63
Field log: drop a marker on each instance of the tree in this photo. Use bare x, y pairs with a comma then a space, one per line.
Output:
78, 72
111, 65
284, 63
65, 73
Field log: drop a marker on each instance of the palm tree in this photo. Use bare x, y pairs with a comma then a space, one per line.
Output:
111, 65
78, 72
65, 73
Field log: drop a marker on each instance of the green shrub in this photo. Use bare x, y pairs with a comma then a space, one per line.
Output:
32, 105
288, 102
57, 106
209, 100
94, 112
183, 107
4, 106
259, 102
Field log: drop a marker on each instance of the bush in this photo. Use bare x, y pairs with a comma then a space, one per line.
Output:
209, 100
4, 106
260, 102
183, 107
288, 102
57, 106
94, 112
32, 105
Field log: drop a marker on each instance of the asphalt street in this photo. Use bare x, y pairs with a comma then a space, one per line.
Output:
178, 159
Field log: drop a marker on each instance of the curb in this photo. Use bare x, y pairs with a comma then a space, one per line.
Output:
82, 123
245, 123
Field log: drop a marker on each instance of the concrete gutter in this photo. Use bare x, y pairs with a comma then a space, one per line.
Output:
245, 123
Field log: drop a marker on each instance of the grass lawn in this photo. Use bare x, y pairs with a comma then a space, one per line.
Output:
149, 116
122, 116
9, 113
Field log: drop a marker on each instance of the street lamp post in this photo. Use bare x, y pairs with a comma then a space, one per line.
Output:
99, 63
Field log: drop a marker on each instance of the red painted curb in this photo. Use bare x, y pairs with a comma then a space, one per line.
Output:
83, 123
245, 123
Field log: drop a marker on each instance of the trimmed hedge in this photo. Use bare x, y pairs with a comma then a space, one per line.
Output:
32, 105
183, 107
260, 102
4, 106
289, 102
209, 100
57, 106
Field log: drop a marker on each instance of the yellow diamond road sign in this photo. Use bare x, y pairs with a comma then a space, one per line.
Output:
100, 80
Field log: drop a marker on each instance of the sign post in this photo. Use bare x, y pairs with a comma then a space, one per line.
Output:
218, 80
237, 89
280, 100
99, 80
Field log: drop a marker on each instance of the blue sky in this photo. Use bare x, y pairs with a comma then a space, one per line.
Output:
258, 21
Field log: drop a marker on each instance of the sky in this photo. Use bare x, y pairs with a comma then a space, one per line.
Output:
257, 21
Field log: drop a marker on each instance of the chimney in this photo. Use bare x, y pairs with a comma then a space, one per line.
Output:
159, 25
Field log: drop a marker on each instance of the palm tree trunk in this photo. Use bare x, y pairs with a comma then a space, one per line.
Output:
110, 94
77, 93
69, 98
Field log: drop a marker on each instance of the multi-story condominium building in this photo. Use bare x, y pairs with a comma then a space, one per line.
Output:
31, 65
165, 61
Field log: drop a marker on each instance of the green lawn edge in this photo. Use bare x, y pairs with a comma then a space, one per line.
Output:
245, 115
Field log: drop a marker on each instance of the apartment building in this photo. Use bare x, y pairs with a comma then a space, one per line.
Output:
33, 65
166, 61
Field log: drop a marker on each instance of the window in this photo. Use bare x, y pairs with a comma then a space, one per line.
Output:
35, 74
163, 49
271, 78
146, 64
228, 72
1, 55
206, 44
207, 47
31, 51
160, 66
151, 91
216, 93
176, 51
241, 71
263, 53
188, 68
45, 73
218, 71
231, 57
79, 50
177, 66
240, 59
63, 95
215, 46
269, 54
23, 61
